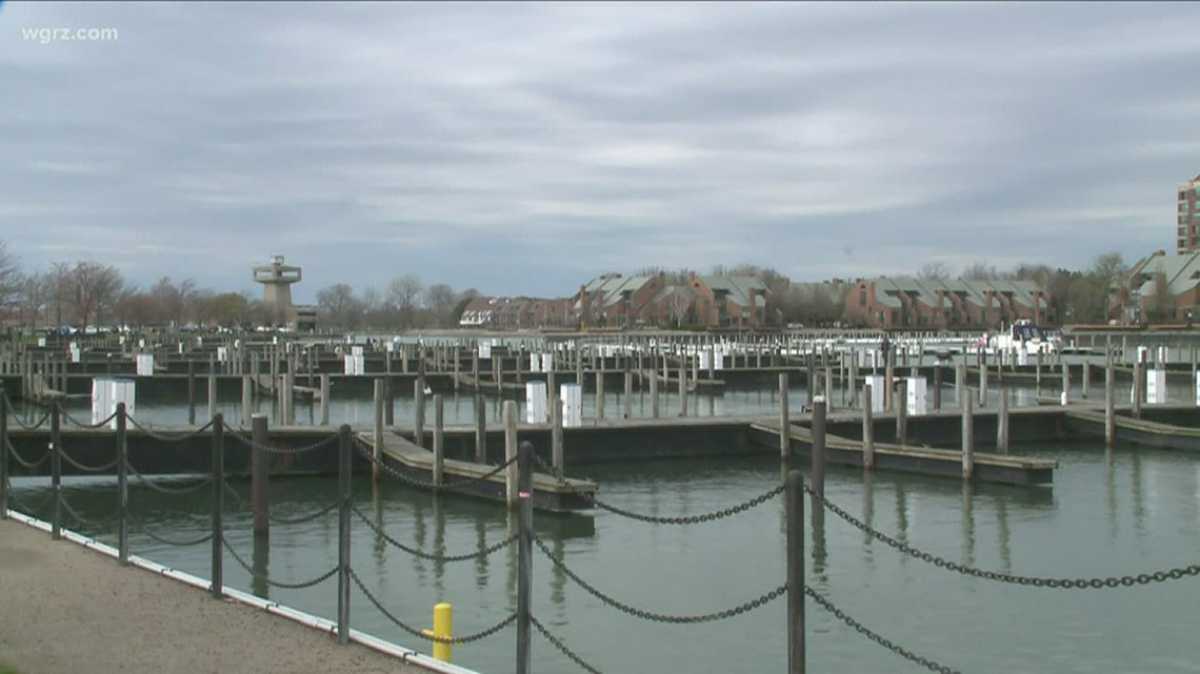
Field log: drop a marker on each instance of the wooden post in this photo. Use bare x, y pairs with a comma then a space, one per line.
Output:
480, 428
524, 555
1002, 422
56, 469
937, 388
324, 378
683, 390
345, 466
785, 423
983, 378
599, 375
968, 439
902, 413
510, 452
1139, 381
889, 381
389, 402
868, 429
260, 477
628, 402
439, 448
247, 398
122, 487
191, 392
818, 447
212, 395
1110, 420
4, 454
960, 377
556, 436
419, 412
1066, 384
218, 503
795, 571
1086, 378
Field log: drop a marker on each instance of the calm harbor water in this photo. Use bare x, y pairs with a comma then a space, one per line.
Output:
1130, 511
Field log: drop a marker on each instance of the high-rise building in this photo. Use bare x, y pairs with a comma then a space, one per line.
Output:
1188, 238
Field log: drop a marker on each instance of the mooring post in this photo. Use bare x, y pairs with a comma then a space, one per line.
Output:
510, 453
56, 468
480, 428
1086, 378
968, 438
439, 439
653, 390
818, 446
785, 422
345, 465
937, 388
599, 375
1002, 421
377, 451
1110, 419
191, 391
683, 388
902, 413
259, 476
960, 376
218, 502
212, 395
247, 404
889, 380
983, 377
627, 403
556, 436
1066, 384
1138, 381
389, 402
795, 571
3, 454
524, 556
324, 378
868, 428
419, 411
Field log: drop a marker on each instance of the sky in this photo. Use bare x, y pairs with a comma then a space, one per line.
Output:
524, 148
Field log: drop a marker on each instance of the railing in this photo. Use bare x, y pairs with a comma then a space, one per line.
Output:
793, 586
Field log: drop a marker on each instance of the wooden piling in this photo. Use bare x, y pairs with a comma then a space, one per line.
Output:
324, 378
191, 392
902, 413
480, 428
556, 436
439, 446
1002, 422
419, 412
627, 403
599, 375
968, 438
510, 453
683, 391
247, 399
379, 425
817, 470
654, 393
260, 476
868, 429
785, 424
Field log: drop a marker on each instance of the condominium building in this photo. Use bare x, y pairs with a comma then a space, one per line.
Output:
1188, 225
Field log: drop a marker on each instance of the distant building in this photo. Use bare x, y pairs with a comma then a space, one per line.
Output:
1187, 238
729, 301
1159, 287
906, 302
277, 279
517, 313
616, 301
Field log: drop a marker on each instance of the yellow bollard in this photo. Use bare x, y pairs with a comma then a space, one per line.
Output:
443, 628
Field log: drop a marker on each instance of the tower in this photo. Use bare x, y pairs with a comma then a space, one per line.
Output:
277, 279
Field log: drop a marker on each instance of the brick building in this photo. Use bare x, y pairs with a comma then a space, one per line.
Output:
729, 301
906, 302
1159, 287
1187, 239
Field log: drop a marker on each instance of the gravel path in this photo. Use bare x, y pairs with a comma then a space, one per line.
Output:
65, 609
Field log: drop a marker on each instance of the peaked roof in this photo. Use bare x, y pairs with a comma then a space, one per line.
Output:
1182, 273
738, 287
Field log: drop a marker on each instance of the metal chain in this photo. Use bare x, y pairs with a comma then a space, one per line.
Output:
421, 634
170, 541
425, 555
661, 617
29, 465
100, 424
30, 510
429, 484
167, 490
287, 586
858, 627
84, 467
557, 643
17, 418
1109, 582
305, 518
85, 521
271, 449
241, 502
175, 437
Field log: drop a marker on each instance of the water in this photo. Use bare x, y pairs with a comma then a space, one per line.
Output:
1131, 511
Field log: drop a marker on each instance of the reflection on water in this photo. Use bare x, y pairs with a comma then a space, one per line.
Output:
1109, 513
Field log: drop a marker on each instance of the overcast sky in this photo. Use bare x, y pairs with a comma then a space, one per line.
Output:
525, 148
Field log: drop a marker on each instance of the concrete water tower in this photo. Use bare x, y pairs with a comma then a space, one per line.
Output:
277, 279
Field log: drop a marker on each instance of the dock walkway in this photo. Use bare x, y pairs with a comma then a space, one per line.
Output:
69, 609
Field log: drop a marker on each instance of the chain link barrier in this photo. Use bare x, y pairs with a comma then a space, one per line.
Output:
557, 643
304, 518
432, 557
364, 450
655, 519
17, 418
421, 634
72, 420
660, 617
28, 465
173, 437
85, 521
1105, 583
874, 636
84, 467
274, 583
145, 481
174, 542
271, 449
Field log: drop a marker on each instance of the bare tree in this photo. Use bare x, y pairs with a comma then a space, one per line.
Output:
934, 271
10, 277
402, 295
95, 288
340, 305
440, 300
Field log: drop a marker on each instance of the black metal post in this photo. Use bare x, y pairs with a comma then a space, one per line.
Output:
795, 571
345, 466
218, 502
818, 448
56, 470
259, 476
3, 454
122, 488
524, 553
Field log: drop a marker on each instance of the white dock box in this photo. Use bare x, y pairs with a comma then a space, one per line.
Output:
107, 392
572, 405
535, 402
485, 350
355, 364
535, 362
916, 395
1156, 386
145, 364
548, 362
876, 382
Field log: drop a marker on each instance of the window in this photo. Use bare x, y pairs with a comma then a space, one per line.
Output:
862, 297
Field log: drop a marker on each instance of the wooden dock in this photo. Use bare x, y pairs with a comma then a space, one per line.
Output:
1139, 431
402, 455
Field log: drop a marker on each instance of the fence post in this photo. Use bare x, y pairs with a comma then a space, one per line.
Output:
345, 466
785, 422
524, 553
818, 446
218, 499
122, 487
259, 476
795, 571
868, 428
439, 448
3, 454
56, 470
968, 437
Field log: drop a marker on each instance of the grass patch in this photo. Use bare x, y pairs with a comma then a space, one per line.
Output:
5, 669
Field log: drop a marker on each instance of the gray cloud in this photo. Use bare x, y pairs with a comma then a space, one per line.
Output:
521, 148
